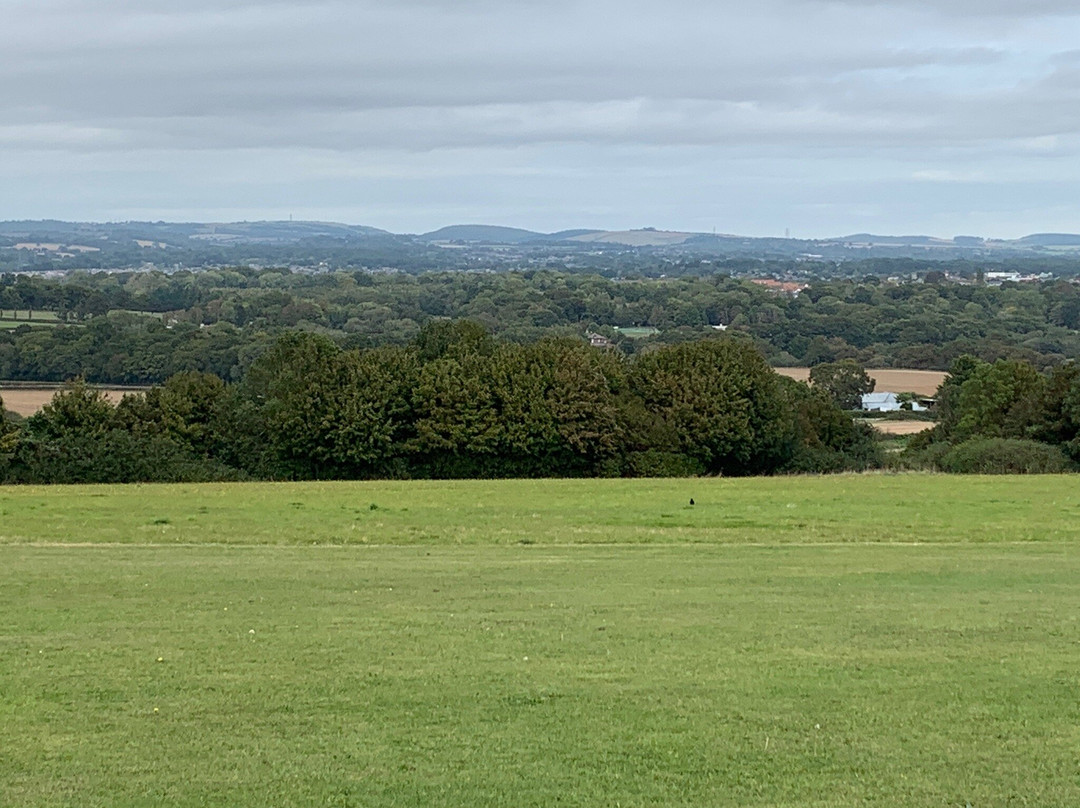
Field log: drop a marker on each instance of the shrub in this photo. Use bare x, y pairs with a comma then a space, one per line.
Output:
659, 463
1004, 456
920, 455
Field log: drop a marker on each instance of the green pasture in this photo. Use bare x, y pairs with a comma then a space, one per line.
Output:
40, 316
898, 640
633, 332
777, 510
7, 324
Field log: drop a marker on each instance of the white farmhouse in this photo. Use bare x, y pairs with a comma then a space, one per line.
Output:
880, 402
888, 402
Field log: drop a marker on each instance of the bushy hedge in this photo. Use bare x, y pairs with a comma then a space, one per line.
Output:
1004, 456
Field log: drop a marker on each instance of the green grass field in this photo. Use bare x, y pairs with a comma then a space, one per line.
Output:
638, 332
13, 318
11, 325
876, 640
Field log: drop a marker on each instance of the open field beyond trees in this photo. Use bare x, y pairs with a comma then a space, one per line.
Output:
26, 400
881, 640
13, 318
901, 427
891, 380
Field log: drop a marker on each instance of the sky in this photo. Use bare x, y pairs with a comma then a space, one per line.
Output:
818, 118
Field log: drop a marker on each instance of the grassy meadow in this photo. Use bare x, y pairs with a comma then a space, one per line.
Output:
876, 640
13, 319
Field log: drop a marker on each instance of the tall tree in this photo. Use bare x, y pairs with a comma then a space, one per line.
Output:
293, 388
374, 415
1001, 400
8, 440
188, 408
844, 382
723, 402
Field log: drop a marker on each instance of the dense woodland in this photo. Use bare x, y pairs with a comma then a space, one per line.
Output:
453, 403
457, 403
274, 374
145, 327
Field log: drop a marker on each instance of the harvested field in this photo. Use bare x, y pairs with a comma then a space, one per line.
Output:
893, 380
901, 427
27, 401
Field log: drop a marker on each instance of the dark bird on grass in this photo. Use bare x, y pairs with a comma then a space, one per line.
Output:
691, 500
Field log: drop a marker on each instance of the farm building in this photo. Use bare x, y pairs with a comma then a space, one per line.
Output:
597, 340
888, 402
880, 402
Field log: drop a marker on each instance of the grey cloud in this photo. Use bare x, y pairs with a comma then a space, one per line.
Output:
139, 87
908, 81
970, 9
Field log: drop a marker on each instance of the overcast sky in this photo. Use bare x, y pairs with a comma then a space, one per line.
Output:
898, 116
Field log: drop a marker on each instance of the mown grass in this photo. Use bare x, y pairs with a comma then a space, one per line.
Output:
13, 319
493, 663
857, 508
10, 325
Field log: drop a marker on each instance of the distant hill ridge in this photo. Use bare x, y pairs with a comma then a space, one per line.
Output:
240, 232
482, 232
271, 233
493, 234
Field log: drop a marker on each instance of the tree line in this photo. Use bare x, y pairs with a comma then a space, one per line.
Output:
127, 328
1002, 417
454, 402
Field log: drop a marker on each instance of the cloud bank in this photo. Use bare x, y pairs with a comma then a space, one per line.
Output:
825, 117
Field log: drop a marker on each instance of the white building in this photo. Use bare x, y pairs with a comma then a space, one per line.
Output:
880, 402
888, 402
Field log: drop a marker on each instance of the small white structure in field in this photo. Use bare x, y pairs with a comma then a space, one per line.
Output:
889, 402
880, 402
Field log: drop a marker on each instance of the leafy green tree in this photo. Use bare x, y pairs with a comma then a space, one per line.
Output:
1001, 400
826, 438
948, 396
374, 411
76, 410
441, 338
10, 299
1059, 421
722, 401
844, 382
63, 441
293, 387
582, 400
542, 409
9, 439
458, 431
187, 409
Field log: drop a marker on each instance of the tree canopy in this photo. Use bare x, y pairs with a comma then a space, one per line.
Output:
453, 403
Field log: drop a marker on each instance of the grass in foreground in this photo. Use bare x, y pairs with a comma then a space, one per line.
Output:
498, 673
778, 510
